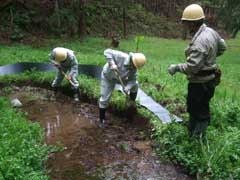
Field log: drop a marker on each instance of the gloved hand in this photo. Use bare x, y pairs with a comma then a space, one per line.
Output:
172, 69
114, 67
69, 77
127, 90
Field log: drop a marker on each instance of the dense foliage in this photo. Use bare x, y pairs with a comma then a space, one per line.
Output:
21, 21
217, 156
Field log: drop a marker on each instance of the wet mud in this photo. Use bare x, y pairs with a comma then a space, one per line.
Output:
122, 150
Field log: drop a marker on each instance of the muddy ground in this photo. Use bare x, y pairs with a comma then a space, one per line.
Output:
122, 150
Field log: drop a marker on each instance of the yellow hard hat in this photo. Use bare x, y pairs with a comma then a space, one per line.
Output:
193, 12
138, 60
60, 54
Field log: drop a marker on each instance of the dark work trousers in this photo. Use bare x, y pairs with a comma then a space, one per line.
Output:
199, 96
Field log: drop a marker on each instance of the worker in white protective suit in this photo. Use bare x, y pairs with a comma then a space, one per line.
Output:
200, 68
125, 66
67, 67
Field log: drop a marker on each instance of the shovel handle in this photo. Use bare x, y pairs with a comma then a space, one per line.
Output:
63, 73
116, 72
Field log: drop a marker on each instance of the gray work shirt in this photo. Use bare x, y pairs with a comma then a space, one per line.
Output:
201, 54
70, 64
122, 60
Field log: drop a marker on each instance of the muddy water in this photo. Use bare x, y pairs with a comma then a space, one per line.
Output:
119, 151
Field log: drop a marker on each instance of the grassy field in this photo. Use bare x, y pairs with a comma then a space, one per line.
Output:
160, 53
219, 156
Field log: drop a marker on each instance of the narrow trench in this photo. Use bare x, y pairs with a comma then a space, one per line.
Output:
120, 151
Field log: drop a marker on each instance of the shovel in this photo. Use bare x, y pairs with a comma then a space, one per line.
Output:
65, 75
117, 75
131, 107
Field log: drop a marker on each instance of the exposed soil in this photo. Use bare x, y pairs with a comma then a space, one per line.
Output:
179, 107
122, 150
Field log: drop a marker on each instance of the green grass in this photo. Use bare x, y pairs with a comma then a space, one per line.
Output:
160, 53
203, 159
22, 152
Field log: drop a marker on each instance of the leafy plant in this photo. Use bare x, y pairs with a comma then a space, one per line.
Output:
22, 151
63, 21
7, 90
138, 39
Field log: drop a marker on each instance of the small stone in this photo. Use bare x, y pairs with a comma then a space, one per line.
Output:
157, 162
16, 103
67, 156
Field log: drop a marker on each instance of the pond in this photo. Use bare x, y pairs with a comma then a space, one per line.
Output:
122, 150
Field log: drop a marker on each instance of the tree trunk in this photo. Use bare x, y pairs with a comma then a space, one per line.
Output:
235, 31
81, 21
124, 23
56, 9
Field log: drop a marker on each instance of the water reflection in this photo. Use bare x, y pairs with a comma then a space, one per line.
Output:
119, 151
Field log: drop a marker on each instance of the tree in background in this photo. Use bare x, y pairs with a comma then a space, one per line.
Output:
229, 13
78, 9
21, 18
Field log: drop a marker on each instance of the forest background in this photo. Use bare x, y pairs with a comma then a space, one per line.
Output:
23, 20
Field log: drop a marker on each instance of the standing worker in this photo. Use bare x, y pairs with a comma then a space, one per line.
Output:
66, 63
200, 68
120, 68
115, 41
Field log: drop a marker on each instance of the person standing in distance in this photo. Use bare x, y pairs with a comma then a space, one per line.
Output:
200, 68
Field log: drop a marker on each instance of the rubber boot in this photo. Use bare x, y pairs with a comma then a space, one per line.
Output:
55, 90
133, 96
201, 128
191, 126
76, 95
131, 103
102, 115
197, 128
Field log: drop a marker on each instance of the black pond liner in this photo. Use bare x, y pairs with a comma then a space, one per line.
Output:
95, 72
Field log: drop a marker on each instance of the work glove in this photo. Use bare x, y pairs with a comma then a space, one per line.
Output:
69, 77
172, 69
127, 90
114, 67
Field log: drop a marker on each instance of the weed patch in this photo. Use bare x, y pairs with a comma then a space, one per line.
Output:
22, 151
217, 157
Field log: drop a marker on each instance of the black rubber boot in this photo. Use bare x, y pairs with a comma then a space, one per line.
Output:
56, 92
76, 95
102, 115
191, 126
131, 104
197, 128
55, 89
133, 96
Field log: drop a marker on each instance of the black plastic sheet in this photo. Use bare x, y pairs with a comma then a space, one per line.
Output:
95, 72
